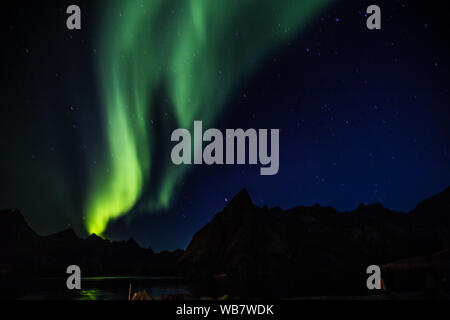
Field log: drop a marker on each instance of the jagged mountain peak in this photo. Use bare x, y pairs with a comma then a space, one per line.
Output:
13, 224
370, 207
241, 199
437, 201
68, 234
132, 242
94, 237
12, 214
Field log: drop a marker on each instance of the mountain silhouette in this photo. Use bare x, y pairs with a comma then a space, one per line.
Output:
23, 253
317, 249
314, 247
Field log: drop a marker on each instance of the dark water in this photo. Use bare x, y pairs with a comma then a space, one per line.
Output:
98, 288
117, 288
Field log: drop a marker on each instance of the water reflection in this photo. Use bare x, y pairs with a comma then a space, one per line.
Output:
98, 288
90, 294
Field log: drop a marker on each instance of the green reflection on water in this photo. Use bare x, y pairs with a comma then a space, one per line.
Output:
89, 294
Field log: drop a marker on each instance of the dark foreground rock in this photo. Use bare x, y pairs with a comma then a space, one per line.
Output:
249, 251
23, 253
317, 249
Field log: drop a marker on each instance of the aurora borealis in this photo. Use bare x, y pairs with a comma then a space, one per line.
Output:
196, 52
87, 115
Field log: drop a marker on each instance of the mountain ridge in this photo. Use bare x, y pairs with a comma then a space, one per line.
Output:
313, 244
24, 252
316, 248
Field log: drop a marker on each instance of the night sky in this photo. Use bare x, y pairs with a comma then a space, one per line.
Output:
363, 115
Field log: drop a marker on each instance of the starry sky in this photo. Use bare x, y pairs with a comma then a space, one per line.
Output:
87, 115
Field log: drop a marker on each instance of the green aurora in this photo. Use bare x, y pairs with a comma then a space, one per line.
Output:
194, 51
